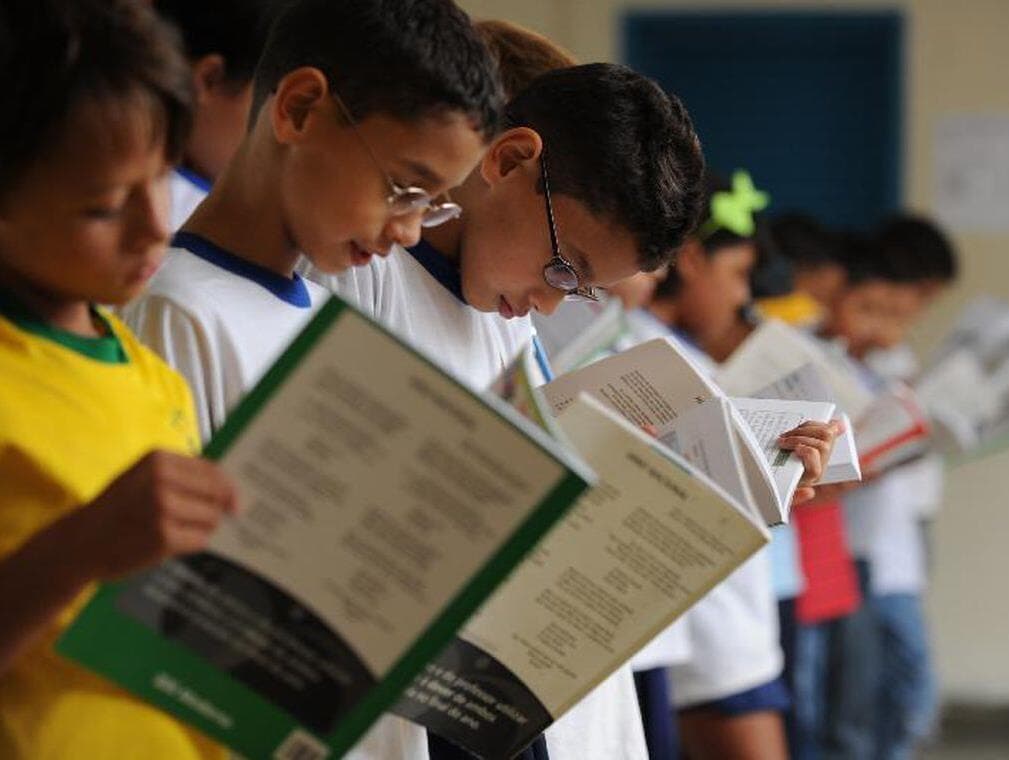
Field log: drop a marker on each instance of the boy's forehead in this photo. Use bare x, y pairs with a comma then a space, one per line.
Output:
437, 150
604, 251
99, 136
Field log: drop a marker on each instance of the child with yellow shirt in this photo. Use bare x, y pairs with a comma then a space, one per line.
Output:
95, 430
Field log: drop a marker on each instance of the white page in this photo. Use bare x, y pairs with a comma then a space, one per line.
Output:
647, 384
775, 350
843, 465
768, 419
661, 534
652, 538
703, 435
440, 451
806, 383
893, 429
579, 332
651, 384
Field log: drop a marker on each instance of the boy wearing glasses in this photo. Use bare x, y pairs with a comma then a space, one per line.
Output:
598, 176
364, 112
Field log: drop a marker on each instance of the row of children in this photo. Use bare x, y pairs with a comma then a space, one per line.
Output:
318, 145
849, 572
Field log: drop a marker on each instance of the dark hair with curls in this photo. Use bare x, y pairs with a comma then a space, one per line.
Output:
407, 59
59, 54
619, 144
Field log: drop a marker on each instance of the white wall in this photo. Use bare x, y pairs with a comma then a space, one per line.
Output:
957, 59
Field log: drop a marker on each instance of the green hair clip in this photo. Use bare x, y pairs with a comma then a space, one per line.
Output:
733, 211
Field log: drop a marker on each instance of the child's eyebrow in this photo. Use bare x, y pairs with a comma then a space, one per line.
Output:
581, 261
425, 173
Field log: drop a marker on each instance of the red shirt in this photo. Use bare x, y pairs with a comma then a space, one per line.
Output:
831, 579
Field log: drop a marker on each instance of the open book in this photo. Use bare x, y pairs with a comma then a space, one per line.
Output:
647, 542
775, 350
655, 382
885, 427
966, 387
807, 383
384, 503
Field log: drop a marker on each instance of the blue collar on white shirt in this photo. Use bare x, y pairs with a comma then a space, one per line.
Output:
439, 266
198, 180
685, 337
290, 290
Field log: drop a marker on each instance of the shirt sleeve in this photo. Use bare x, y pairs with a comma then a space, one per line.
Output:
183, 341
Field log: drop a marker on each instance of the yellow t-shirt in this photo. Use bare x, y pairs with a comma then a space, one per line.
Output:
796, 309
70, 423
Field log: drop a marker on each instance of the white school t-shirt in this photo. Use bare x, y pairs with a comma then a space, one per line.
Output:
421, 303
222, 331
219, 329
471, 345
188, 191
883, 517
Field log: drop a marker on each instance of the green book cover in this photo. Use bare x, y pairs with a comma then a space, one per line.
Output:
383, 503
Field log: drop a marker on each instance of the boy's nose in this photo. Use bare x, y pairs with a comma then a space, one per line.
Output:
404, 230
152, 218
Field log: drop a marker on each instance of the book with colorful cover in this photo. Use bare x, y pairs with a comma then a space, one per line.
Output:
384, 502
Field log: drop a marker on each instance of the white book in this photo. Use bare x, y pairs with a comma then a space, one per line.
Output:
893, 430
775, 350
807, 383
652, 383
579, 332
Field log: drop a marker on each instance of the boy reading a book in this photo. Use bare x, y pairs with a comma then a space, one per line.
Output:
95, 430
223, 40
912, 260
597, 177
365, 113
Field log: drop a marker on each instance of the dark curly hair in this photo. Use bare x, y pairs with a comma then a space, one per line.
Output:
403, 58
619, 144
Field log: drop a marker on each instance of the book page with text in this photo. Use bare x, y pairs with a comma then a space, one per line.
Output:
638, 550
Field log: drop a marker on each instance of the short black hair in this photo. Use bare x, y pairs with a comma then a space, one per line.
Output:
804, 241
616, 142
860, 258
403, 58
58, 54
913, 249
234, 29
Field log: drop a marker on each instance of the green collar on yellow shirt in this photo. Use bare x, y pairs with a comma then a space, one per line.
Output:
104, 348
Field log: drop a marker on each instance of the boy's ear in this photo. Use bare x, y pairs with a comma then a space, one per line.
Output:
510, 150
298, 94
208, 75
